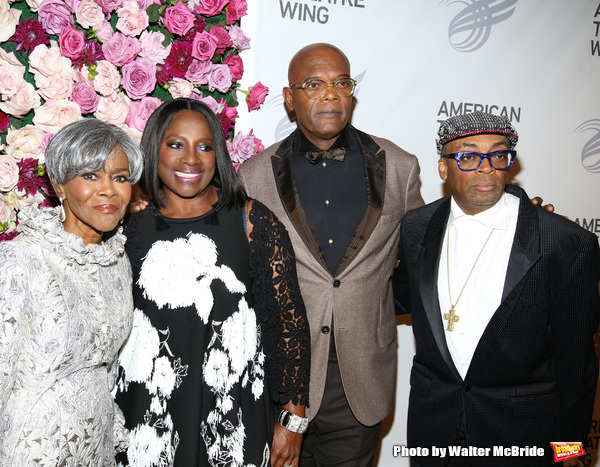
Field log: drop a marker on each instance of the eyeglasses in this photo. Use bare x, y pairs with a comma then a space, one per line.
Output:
317, 88
469, 161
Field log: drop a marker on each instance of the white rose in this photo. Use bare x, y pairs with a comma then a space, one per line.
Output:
26, 142
9, 18
11, 80
8, 215
107, 81
22, 102
180, 88
89, 14
55, 88
113, 109
54, 115
48, 61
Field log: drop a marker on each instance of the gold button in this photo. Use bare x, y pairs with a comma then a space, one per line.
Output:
330, 241
324, 164
327, 202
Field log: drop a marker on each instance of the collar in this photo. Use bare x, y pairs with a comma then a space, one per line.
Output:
340, 142
497, 217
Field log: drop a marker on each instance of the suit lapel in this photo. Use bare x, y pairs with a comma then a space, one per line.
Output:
282, 168
525, 253
429, 257
374, 161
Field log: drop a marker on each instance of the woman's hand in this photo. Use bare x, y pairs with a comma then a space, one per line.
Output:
139, 200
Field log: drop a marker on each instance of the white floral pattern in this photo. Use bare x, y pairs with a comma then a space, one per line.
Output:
65, 310
176, 274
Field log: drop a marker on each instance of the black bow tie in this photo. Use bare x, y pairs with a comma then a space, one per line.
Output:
336, 154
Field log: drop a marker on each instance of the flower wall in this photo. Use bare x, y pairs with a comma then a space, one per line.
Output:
115, 60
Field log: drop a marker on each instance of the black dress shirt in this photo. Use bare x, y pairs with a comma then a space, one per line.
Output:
333, 194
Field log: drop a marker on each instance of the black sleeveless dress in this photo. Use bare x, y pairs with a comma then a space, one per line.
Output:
201, 369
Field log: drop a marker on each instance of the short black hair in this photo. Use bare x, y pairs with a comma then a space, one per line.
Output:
231, 189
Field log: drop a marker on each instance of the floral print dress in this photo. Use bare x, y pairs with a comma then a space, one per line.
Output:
220, 338
65, 311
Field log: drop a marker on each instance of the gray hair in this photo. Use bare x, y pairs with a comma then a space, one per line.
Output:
85, 146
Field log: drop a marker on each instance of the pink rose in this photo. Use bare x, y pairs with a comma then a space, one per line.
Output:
108, 79
219, 78
120, 49
256, 96
26, 142
109, 5
71, 42
89, 14
235, 10
152, 47
139, 78
131, 20
55, 87
140, 111
230, 112
113, 109
236, 66
45, 140
198, 71
11, 80
245, 146
144, 4
210, 7
239, 39
54, 15
22, 101
208, 100
204, 46
179, 19
222, 37
9, 173
85, 97
180, 88
54, 115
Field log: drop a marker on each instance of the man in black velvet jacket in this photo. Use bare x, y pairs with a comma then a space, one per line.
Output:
504, 302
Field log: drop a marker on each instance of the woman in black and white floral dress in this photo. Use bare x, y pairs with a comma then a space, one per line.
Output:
220, 339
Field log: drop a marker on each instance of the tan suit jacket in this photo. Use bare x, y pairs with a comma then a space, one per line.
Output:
359, 297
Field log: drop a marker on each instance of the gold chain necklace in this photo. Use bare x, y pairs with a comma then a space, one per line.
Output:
451, 316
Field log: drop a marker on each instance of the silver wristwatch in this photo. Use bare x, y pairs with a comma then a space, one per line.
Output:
293, 422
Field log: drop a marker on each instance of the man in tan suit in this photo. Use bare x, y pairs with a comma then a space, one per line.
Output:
341, 194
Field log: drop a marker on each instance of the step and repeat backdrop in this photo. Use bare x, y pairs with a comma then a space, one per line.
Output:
418, 62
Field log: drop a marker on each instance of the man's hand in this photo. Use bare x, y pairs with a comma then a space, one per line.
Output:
537, 201
285, 450
574, 462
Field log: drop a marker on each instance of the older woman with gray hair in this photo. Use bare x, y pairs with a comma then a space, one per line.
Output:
66, 305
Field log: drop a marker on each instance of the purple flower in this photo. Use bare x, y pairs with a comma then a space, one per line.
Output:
54, 15
90, 55
139, 78
219, 78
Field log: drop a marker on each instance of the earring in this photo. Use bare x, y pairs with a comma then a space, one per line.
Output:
62, 216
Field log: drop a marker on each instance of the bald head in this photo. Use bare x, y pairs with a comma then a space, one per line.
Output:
309, 52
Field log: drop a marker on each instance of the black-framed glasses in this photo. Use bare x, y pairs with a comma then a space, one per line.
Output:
469, 160
317, 88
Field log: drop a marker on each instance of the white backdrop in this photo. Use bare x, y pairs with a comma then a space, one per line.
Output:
420, 61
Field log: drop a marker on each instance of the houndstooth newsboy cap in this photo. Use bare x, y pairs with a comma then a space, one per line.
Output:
476, 123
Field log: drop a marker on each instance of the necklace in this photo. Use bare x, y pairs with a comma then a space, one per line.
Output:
451, 316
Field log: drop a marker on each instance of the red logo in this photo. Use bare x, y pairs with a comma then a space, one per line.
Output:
564, 451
